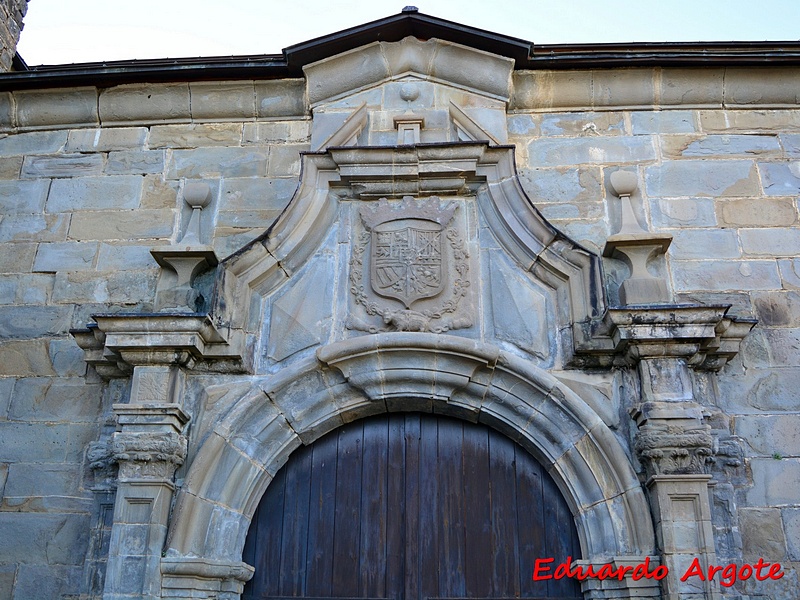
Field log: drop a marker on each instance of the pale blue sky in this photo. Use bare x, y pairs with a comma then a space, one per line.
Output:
67, 31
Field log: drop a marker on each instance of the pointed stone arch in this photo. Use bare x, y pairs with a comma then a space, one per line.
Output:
400, 372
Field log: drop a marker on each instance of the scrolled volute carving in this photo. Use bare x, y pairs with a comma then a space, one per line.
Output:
671, 450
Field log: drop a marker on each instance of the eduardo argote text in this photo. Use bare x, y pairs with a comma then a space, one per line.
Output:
728, 574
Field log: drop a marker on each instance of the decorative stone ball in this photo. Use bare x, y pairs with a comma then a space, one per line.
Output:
409, 92
624, 183
197, 194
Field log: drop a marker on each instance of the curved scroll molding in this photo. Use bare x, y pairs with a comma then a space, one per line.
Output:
453, 168
400, 372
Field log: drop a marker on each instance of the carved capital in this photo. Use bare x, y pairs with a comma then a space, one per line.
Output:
148, 455
673, 450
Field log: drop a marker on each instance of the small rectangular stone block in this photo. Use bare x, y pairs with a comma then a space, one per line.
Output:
223, 100
775, 482
128, 225
195, 135
285, 160
67, 358
281, 98
277, 132
705, 243
28, 358
22, 197
10, 167
35, 142
623, 87
790, 272
737, 145
106, 139
65, 256
247, 194
48, 581
62, 165
48, 399
144, 103
160, 193
762, 86
757, 212
110, 192
780, 179
663, 121
7, 117
725, 275
17, 257
116, 257
777, 309
562, 185
575, 124
217, 162
106, 286
770, 241
791, 525
769, 435
571, 151
31, 479
728, 121
791, 144
135, 162
682, 212
692, 87
34, 228
34, 321
733, 178
61, 107
551, 89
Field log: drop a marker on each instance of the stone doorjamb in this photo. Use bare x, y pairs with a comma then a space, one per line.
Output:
390, 372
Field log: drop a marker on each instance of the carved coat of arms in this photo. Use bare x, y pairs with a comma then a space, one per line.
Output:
413, 257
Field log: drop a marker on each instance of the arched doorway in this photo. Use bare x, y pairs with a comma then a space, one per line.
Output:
410, 506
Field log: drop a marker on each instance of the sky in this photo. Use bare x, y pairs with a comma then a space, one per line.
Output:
74, 31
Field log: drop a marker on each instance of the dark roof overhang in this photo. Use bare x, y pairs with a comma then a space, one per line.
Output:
290, 63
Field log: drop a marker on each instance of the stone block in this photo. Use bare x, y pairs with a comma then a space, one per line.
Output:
47, 399
125, 257
222, 100
591, 150
34, 442
762, 86
27, 480
729, 178
791, 525
281, 98
67, 358
775, 482
246, 194
8, 576
159, 193
770, 241
783, 345
662, 122
195, 135
591, 234
65, 256
116, 192
790, 272
777, 309
277, 132
106, 139
623, 87
10, 167
61, 107
565, 185
103, 287
682, 212
144, 103
62, 165
736, 145
135, 162
217, 162
729, 121
757, 212
780, 179
576, 124
691, 243
22, 197
725, 275
17, 258
791, 144
37, 142
7, 116
47, 581
535, 90
285, 160
28, 358
691, 87
34, 321
762, 534
34, 228
522, 125
128, 225
769, 435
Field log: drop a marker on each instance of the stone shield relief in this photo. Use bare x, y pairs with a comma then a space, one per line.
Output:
409, 269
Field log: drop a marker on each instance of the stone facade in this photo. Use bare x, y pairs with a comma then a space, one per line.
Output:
608, 239
11, 15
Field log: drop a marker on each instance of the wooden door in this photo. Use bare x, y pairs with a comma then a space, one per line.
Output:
410, 506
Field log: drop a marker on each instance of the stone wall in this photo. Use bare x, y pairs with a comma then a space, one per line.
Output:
11, 15
91, 180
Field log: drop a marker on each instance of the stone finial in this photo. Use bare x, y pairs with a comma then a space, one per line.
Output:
636, 246
198, 196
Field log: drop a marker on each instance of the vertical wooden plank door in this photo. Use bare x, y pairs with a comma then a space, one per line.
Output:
409, 507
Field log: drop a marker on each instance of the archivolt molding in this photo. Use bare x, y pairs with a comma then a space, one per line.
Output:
400, 372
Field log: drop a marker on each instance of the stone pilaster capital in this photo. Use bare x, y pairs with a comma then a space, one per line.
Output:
148, 455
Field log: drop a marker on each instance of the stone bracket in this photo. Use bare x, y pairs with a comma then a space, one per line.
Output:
186, 577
